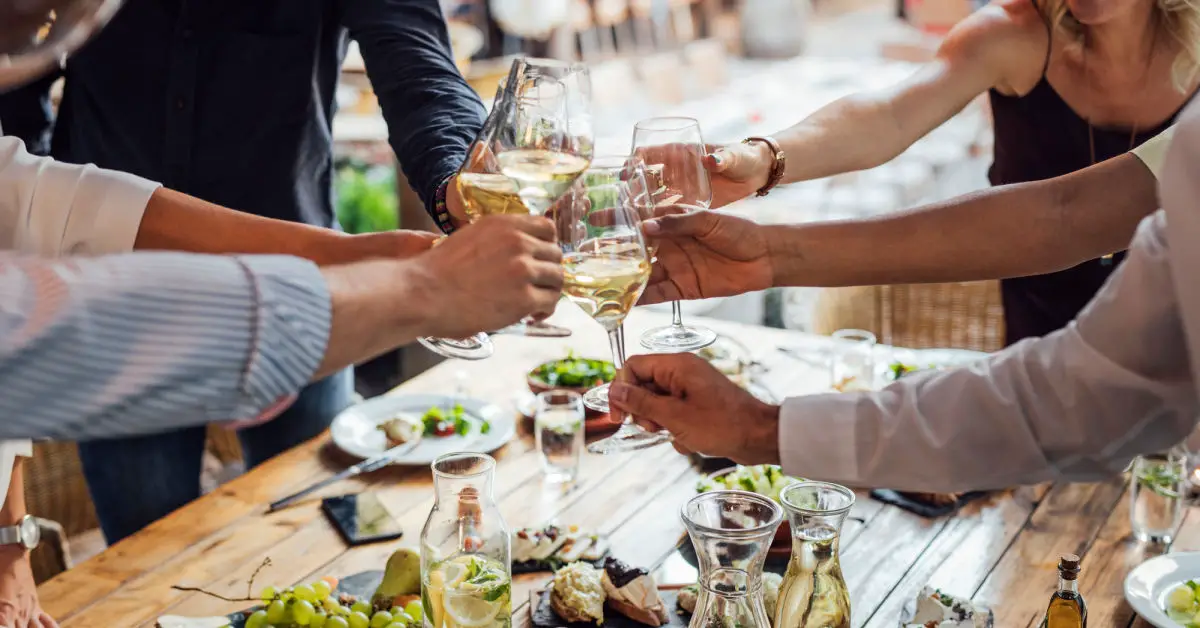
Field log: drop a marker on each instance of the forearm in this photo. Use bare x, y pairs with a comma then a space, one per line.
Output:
853, 133
376, 307
1075, 405
432, 113
178, 222
1008, 231
14, 500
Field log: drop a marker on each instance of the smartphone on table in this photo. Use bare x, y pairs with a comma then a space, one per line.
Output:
362, 518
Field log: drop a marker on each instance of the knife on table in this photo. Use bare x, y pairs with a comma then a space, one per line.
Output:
366, 466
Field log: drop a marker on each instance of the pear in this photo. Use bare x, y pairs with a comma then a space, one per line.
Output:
401, 577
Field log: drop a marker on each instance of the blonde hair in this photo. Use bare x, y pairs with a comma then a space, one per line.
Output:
1179, 18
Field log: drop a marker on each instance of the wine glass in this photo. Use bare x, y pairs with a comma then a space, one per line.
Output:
674, 149
605, 269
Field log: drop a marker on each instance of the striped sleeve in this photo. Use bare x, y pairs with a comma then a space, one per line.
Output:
144, 342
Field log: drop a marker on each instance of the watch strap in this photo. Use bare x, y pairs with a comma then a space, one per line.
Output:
10, 535
778, 164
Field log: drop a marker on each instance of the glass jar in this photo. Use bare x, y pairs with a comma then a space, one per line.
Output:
731, 532
466, 556
813, 593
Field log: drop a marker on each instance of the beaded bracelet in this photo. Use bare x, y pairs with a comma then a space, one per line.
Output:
441, 212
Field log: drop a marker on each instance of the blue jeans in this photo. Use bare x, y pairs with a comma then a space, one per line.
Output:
136, 481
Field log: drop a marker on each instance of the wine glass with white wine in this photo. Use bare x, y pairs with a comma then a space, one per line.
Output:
674, 149
605, 269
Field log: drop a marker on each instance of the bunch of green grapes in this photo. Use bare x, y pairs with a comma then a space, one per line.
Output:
316, 606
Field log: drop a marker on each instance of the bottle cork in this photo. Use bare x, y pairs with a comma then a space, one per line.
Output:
1068, 566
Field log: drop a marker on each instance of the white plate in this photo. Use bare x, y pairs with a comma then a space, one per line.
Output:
356, 431
1147, 586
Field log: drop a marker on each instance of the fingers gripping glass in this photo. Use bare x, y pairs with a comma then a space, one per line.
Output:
606, 267
536, 89
674, 149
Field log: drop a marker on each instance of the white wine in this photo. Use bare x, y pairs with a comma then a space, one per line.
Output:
813, 593
487, 194
606, 279
542, 175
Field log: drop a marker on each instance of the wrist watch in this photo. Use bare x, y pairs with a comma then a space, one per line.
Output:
26, 533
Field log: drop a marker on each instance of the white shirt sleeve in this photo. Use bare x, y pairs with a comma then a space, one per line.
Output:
1077, 404
1153, 152
49, 208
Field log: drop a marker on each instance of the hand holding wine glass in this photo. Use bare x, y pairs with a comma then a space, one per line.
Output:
674, 149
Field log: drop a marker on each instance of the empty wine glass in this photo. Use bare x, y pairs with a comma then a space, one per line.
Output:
605, 269
674, 150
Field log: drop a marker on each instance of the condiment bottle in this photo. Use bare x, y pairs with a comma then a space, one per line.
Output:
1066, 609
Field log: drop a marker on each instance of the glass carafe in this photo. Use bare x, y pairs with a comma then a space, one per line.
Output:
813, 593
466, 566
731, 532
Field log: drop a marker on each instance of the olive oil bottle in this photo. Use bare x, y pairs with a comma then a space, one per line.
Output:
1066, 609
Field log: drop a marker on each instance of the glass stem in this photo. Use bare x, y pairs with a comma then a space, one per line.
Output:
616, 342
676, 314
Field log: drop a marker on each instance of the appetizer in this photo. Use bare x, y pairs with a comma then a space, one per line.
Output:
548, 548
172, 621
1183, 604
687, 598
934, 609
934, 499
437, 422
765, 479
633, 593
573, 372
577, 594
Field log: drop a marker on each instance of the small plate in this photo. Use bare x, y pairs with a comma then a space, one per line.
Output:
356, 431
1147, 586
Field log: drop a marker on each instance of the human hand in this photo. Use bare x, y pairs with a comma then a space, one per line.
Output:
737, 170
705, 254
702, 408
19, 607
405, 243
455, 204
492, 273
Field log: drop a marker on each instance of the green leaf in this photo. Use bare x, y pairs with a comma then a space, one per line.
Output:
491, 595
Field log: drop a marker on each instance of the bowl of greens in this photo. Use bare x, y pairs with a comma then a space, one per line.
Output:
570, 373
767, 480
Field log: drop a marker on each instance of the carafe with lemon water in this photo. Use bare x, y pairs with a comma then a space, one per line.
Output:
466, 566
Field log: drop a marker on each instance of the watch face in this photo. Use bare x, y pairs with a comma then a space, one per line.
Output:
31, 534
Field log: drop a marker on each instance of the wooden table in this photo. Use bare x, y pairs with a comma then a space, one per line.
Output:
1002, 551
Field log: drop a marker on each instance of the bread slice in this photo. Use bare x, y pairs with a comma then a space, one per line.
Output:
650, 617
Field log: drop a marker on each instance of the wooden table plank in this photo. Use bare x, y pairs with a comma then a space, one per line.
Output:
1066, 521
964, 553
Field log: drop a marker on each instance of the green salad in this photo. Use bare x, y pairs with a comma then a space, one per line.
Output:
767, 480
439, 422
573, 372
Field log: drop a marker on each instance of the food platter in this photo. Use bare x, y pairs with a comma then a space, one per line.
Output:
1149, 585
356, 429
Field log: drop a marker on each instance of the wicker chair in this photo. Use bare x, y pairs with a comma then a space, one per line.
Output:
918, 316
56, 491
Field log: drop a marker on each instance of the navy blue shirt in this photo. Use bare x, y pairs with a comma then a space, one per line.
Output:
232, 101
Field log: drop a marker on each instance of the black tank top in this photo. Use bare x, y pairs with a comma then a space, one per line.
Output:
1038, 136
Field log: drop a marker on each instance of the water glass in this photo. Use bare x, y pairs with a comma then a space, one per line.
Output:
558, 432
1156, 493
852, 367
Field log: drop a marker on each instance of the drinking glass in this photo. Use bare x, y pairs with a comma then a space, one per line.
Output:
1156, 491
674, 149
558, 432
613, 187
605, 269
852, 366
